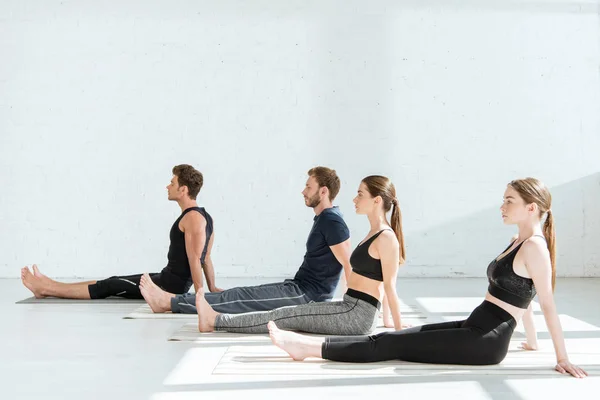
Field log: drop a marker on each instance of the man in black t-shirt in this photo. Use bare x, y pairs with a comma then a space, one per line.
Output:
327, 255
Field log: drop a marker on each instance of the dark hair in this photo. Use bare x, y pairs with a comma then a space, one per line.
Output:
190, 177
378, 185
531, 191
328, 178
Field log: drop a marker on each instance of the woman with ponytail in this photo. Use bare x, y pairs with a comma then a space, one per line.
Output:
375, 263
525, 268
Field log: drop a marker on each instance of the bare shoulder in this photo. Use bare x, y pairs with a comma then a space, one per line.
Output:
193, 220
387, 239
535, 247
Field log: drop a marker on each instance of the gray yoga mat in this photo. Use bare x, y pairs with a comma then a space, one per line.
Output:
55, 300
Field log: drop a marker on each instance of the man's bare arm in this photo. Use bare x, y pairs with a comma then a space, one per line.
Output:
208, 267
194, 229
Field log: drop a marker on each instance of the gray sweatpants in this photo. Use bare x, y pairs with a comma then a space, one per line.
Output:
245, 299
352, 316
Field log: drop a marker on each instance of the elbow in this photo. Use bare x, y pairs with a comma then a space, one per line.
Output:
195, 262
389, 288
547, 306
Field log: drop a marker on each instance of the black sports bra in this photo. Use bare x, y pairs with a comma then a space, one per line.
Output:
505, 284
365, 265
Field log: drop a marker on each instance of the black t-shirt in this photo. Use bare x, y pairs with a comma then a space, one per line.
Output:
320, 271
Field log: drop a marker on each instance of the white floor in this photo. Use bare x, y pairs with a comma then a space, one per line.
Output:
87, 351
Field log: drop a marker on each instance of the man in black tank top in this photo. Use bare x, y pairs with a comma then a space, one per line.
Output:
191, 239
327, 255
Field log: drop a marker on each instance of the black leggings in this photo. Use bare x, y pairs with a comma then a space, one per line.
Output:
129, 286
481, 339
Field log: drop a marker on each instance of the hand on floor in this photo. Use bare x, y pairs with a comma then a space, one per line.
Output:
566, 367
527, 346
390, 324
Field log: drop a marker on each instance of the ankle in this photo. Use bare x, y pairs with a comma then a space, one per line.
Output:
212, 320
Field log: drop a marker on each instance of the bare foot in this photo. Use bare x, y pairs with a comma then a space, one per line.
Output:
297, 346
158, 300
206, 315
37, 273
43, 278
33, 283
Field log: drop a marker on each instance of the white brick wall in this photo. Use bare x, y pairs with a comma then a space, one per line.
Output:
452, 100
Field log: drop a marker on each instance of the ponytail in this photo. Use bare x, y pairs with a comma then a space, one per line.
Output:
549, 234
397, 228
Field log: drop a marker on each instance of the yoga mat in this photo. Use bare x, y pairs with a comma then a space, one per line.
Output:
56, 300
145, 312
189, 333
270, 360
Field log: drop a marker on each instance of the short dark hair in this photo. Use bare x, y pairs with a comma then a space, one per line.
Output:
328, 178
190, 177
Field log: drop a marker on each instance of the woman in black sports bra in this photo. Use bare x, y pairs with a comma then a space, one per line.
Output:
375, 264
527, 266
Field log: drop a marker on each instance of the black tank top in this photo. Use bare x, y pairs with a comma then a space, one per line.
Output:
365, 265
506, 285
178, 263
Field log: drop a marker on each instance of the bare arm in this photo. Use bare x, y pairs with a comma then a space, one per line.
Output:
389, 254
539, 267
341, 251
530, 331
194, 226
528, 323
208, 267
388, 322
